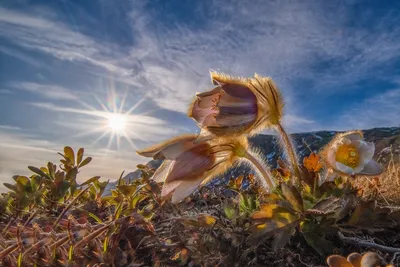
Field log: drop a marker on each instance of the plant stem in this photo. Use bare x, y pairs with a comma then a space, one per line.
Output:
266, 175
287, 144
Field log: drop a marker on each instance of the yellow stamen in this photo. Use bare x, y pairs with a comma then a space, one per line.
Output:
347, 155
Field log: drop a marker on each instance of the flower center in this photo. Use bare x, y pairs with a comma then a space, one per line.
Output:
347, 155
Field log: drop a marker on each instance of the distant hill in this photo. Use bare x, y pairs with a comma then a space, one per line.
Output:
384, 139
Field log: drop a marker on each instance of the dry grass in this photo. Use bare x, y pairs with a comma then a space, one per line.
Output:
385, 188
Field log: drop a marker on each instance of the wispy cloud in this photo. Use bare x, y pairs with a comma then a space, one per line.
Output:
46, 90
8, 127
381, 110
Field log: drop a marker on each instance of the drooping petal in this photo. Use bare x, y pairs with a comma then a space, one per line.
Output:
169, 187
162, 172
192, 163
170, 149
372, 168
204, 106
343, 168
185, 189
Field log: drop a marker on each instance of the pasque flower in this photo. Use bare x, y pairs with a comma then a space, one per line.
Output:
237, 105
241, 106
349, 154
188, 165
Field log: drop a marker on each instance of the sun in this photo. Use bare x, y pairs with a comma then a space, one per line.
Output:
117, 123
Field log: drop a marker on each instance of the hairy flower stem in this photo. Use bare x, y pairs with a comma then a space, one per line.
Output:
287, 144
266, 175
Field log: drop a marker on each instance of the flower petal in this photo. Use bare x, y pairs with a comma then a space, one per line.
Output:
161, 173
331, 157
370, 259
235, 120
343, 168
170, 149
355, 259
365, 152
185, 189
338, 261
192, 163
169, 187
353, 136
372, 168
204, 136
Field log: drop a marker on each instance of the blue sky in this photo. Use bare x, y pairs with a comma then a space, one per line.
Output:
63, 63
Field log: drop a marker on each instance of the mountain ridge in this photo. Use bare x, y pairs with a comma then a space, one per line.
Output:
306, 142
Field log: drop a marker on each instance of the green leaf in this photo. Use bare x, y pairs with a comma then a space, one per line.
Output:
293, 196
85, 162
11, 187
230, 211
63, 188
91, 180
97, 219
280, 221
69, 154
51, 168
35, 182
71, 174
38, 171
79, 156
319, 243
282, 237
137, 199
127, 190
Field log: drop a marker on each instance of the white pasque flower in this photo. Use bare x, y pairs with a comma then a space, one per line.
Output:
349, 154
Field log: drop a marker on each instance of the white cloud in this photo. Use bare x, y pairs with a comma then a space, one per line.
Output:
381, 110
46, 90
8, 127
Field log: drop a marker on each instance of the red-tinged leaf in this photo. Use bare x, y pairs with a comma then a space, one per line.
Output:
293, 196
69, 154
79, 156
85, 162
